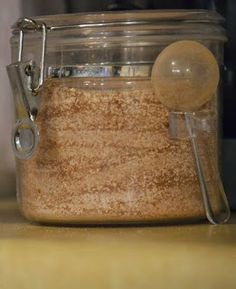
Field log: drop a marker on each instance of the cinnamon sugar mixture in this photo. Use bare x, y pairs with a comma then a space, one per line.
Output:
105, 156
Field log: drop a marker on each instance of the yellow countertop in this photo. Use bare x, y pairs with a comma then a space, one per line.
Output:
45, 257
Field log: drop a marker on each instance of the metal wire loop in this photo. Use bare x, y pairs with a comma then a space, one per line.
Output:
26, 24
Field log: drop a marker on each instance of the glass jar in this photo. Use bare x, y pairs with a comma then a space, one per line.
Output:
91, 138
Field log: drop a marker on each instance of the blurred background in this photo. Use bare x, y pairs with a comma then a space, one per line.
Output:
13, 9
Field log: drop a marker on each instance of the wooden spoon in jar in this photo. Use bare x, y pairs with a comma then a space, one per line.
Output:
185, 76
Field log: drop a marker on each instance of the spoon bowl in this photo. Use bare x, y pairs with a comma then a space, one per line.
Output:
185, 76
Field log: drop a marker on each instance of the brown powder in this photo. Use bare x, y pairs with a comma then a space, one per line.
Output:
105, 156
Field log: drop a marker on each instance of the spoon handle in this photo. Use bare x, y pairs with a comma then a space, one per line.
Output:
214, 217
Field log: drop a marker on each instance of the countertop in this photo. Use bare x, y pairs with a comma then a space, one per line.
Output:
189, 256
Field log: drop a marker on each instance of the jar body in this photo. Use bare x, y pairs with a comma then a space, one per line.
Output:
105, 154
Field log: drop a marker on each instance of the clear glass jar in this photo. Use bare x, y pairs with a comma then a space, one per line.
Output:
91, 138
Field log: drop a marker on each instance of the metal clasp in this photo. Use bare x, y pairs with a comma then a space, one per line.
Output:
24, 24
26, 79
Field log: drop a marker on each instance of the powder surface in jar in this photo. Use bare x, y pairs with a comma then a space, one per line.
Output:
105, 156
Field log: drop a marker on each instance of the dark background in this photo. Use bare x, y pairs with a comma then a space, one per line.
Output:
226, 8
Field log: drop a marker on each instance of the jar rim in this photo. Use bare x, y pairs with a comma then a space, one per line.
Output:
109, 18
130, 23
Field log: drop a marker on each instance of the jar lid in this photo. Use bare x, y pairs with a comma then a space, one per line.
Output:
99, 26
105, 19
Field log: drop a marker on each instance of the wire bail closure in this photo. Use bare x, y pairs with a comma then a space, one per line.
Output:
24, 24
26, 80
